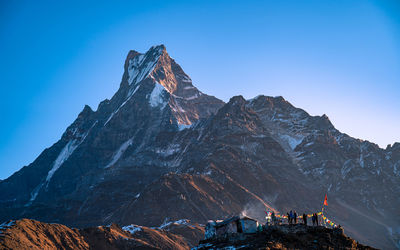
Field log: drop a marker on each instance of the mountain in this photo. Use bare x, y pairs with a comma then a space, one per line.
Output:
31, 234
160, 150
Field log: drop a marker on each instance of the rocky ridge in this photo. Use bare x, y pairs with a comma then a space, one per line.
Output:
285, 237
31, 234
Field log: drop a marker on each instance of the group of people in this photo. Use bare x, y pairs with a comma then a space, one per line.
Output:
292, 218
314, 219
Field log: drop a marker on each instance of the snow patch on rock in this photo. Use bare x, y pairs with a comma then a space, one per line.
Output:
193, 97
156, 97
209, 172
139, 67
184, 126
292, 141
170, 150
34, 193
309, 144
62, 157
396, 169
119, 152
178, 222
6, 225
184, 78
361, 160
132, 229
130, 94
65, 153
176, 107
347, 167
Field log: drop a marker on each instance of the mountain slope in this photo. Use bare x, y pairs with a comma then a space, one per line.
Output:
361, 178
142, 114
161, 150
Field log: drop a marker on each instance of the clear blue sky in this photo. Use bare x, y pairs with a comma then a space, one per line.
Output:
341, 58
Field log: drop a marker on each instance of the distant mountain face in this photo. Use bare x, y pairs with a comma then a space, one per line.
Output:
162, 150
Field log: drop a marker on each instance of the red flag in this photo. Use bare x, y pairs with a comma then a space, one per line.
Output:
326, 200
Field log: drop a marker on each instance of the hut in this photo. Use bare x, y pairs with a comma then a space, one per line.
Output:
234, 224
249, 225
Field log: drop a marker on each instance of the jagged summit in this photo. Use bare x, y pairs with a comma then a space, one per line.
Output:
139, 66
157, 65
155, 68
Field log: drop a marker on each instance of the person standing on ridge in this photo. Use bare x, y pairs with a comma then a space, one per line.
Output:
295, 217
288, 218
273, 217
313, 219
316, 218
291, 217
304, 219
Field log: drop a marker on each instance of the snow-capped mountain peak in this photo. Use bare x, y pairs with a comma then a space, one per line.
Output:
155, 71
141, 65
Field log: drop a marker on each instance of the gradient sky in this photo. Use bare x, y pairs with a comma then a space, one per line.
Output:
340, 58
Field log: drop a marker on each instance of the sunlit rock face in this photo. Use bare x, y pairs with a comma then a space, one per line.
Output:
160, 149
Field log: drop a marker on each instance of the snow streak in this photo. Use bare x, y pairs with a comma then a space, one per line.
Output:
156, 97
119, 152
64, 154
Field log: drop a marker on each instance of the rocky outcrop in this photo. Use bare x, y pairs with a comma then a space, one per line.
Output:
285, 237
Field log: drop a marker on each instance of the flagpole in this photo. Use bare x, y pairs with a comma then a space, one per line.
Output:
323, 206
